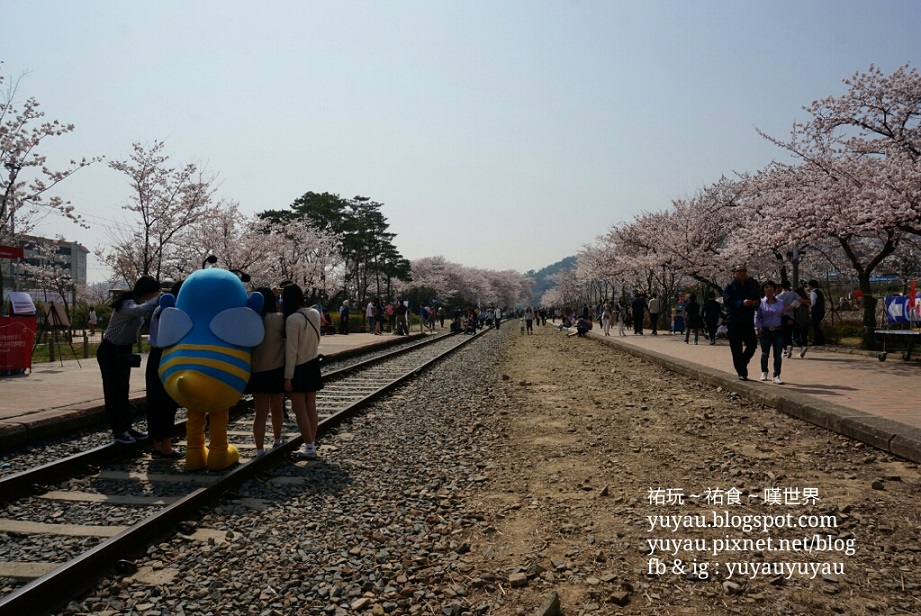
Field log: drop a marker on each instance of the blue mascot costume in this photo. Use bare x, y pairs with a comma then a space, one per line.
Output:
207, 334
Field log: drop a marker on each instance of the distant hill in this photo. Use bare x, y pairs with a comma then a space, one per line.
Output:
542, 277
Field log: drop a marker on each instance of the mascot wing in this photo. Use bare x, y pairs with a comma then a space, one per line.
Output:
239, 326
174, 325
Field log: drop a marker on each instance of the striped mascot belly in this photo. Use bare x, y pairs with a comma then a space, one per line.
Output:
207, 335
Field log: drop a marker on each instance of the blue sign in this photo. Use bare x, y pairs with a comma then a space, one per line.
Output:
885, 278
898, 310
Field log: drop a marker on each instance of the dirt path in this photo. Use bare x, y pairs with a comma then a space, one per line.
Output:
591, 445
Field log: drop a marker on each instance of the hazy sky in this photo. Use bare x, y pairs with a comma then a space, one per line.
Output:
499, 134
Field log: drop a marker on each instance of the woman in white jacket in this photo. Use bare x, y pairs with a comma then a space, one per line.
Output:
302, 365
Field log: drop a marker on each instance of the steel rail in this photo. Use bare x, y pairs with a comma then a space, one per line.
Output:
77, 575
33, 480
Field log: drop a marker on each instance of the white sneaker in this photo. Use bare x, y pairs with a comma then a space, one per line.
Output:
306, 452
764, 376
260, 453
802, 353
777, 380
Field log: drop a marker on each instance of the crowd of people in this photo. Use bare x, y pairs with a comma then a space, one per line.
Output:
776, 318
285, 363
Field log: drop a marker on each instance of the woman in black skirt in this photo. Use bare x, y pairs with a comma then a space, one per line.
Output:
267, 381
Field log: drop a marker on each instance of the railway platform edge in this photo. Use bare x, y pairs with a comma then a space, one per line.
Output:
891, 423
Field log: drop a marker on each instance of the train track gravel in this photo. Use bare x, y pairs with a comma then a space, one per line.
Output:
518, 475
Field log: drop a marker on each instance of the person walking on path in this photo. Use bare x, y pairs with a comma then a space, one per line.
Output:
784, 292
622, 317
655, 308
344, 318
711, 315
741, 297
817, 312
692, 314
769, 329
401, 328
92, 321
529, 319
606, 319
370, 316
639, 311
801, 321
115, 359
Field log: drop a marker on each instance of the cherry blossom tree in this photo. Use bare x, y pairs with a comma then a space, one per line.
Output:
641, 255
268, 251
306, 255
434, 273
455, 283
237, 240
858, 179
851, 198
509, 287
27, 183
568, 290
94, 294
876, 126
50, 274
166, 201
594, 261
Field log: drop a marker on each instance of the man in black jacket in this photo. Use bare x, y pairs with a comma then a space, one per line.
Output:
712, 311
741, 298
639, 312
816, 312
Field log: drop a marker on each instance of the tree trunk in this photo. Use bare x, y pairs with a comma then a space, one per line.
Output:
869, 312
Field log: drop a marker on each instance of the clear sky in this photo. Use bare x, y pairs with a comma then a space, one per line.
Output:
499, 134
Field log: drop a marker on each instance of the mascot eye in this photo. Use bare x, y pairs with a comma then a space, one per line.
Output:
240, 326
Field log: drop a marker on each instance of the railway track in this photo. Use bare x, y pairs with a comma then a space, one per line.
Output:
104, 506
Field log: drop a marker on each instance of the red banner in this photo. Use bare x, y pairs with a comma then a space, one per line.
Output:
11, 252
17, 334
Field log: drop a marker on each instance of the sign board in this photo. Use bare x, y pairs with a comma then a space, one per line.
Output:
56, 314
899, 309
16, 337
22, 304
12, 252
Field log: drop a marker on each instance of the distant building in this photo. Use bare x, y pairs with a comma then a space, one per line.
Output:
70, 258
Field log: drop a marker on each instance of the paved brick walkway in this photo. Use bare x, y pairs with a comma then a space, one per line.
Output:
65, 395
889, 389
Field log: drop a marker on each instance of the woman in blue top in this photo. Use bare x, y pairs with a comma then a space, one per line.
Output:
769, 329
